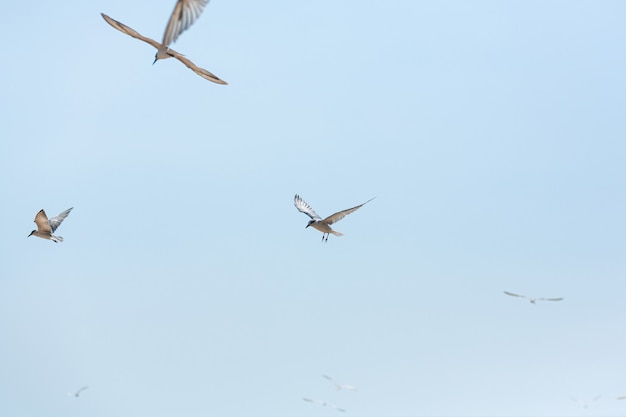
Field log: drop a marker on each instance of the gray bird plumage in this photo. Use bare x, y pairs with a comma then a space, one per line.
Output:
185, 13
46, 227
323, 225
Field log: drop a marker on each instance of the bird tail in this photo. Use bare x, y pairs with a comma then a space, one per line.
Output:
336, 233
57, 238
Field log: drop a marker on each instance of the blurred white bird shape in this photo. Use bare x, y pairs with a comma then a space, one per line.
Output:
339, 386
46, 227
77, 393
586, 404
323, 225
325, 404
533, 300
185, 13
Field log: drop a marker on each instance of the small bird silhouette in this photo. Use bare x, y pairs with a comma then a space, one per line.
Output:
339, 386
325, 404
77, 393
532, 299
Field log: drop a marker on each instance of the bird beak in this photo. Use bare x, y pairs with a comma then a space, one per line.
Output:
306, 226
155, 60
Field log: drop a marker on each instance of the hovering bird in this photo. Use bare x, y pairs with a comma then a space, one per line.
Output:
531, 299
323, 225
339, 386
77, 393
46, 227
586, 404
324, 403
185, 13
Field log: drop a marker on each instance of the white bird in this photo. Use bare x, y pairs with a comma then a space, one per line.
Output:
185, 13
325, 404
46, 227
323, 225
77, 393
586, 404
532, 299
339, 386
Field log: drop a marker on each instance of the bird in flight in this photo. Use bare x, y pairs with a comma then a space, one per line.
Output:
339, 386
46, 227
532, 299
325, 404
185, 13
623, 397
586, 404
323, 225
77, 393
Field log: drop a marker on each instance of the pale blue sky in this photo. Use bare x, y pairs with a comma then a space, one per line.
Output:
491, 133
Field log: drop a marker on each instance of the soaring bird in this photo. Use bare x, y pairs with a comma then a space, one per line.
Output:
185, 13
323, 225
339, 386
532, 299
324, 403
46, 227
77, 392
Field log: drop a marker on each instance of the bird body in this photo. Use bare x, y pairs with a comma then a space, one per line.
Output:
339, 386
323, 225
46, 228
324, 404
533, 300
185, 13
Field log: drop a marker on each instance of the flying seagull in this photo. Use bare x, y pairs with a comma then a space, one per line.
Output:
77, 393
531, 299
324, 403
323, 225
586, 404
339, 386
46, 227
185, 13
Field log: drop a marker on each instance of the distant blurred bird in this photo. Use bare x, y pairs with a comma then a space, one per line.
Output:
324, 403
323, 225
339, 386
185, 13
46, 227
586, 404
623, 397
531, 299
77, 393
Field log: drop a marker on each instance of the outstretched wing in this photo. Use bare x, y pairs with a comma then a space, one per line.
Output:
550, 299
336, 408
514, 295
340, 215
200, 71
56, 221
185, 13
41, 220
80, 390
303, 207
130, 31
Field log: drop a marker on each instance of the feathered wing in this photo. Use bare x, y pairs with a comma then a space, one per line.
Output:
303, 207
41, 220
514, 295
130, 31
56, 221
341, 214
185, 13
550, 299
200, 71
